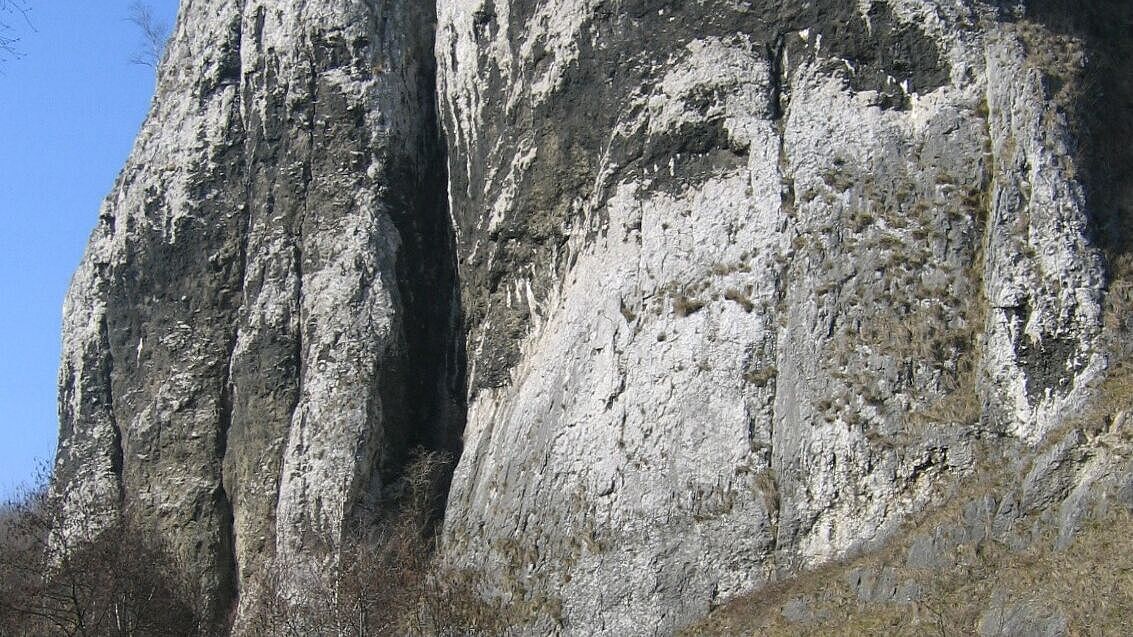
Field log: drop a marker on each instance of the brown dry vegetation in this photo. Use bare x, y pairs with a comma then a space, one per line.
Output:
115, 579
1084, 580
1090, 583
93, 579
387, 580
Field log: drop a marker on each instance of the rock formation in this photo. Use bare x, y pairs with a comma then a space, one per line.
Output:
744, 285
262, 323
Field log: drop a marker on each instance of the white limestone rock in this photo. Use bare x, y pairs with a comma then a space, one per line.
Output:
748, 296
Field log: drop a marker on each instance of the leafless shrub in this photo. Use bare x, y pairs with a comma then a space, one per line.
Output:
86, 580
154, 35
100, 577
385, 580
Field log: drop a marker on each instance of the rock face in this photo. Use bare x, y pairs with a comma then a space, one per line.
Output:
262, 323
744, 285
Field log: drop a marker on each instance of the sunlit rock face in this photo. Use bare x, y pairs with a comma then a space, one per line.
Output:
259, 328
716, 291
746, 284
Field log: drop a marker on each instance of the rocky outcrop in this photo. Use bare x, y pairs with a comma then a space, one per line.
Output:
744, 286
262, 324
747, 284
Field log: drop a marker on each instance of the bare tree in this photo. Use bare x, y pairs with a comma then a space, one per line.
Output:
11, 13
94, 576
86, 579
154, 32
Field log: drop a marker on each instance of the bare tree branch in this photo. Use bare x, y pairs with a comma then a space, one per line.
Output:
11, 12
88, 578
154, 35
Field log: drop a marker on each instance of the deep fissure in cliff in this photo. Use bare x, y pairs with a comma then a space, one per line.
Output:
432, 381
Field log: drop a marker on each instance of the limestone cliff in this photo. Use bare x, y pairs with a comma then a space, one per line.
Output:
744, 285
262, 323
747, 283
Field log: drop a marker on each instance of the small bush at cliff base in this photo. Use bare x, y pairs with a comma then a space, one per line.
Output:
113, 581
385, 580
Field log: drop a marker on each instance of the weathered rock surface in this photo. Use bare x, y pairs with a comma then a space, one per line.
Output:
260, 326
745, 285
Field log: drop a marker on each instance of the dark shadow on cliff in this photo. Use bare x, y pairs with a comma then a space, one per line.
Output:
1102, 113
430, 388
1100, 110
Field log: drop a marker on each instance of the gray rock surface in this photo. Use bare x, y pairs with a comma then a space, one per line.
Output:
258, 329
1030, 617
744, 285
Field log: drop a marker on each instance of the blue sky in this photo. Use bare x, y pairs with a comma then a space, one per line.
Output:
69, 110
